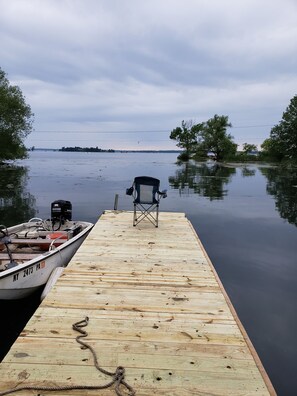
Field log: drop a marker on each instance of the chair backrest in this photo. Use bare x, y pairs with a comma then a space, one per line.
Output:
146, 188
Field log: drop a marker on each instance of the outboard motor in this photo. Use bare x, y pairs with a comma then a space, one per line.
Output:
61, 211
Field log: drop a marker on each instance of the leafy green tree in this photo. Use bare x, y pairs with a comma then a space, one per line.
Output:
16, 120
187, 137
271, 150
283, 137
215, 139
248, 148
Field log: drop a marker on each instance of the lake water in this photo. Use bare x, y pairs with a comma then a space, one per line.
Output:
246, 217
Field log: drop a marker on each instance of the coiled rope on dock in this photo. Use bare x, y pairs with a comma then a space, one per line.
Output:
118, 377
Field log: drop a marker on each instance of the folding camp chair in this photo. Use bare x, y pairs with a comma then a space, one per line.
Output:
146, 194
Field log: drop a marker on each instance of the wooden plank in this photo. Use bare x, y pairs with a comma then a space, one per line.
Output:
151, 381
45, 351
200, 331
156, 307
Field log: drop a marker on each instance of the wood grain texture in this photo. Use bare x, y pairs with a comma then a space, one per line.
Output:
156, 307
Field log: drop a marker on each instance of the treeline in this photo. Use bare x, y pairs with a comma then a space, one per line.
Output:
210, 138
16, 120
281, 146
87, 149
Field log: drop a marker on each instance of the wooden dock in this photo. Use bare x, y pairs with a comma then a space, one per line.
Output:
155, 306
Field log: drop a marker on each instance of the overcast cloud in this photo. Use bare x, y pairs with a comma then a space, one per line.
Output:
123, 73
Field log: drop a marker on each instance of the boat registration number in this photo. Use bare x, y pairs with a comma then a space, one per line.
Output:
28, 271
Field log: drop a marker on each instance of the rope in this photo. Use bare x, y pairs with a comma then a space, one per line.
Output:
117, 377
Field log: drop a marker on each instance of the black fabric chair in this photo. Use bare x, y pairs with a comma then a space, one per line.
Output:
146, 194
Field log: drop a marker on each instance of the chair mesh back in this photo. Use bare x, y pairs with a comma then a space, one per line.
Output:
146, 193
146, 189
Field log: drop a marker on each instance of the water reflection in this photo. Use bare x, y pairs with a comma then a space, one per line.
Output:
206, 179
282, 185
247, 172
16, 203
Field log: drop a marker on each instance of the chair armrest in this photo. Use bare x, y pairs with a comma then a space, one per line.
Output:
163, 193
129, 191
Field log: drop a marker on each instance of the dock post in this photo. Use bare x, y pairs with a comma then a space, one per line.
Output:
116, 200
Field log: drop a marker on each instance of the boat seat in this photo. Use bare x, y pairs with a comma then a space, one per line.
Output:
36, 242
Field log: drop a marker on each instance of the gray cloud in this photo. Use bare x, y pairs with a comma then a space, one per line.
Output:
92, 66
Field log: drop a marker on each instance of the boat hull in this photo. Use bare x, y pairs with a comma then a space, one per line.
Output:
22, 280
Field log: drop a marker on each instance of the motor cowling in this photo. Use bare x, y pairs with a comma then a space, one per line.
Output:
61, 210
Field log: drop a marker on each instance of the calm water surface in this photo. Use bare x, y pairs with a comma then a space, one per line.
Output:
246, 217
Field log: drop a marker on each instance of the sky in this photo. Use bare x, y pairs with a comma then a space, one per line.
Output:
121, 74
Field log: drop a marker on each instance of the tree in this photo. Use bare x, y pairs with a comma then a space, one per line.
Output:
214, 137
16, 120
248, 148
271, 150
187, 137
284, 135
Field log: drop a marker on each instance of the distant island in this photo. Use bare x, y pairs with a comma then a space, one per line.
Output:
99, 150
86, 149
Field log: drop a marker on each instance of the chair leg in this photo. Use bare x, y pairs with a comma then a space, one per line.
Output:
134, 216
141, 213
